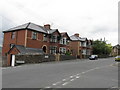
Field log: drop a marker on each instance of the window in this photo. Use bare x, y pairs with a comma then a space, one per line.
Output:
13, 35
44, 37
34, 35
53, 49
53, 38
62, 50
84, 51
63, 41
83, 44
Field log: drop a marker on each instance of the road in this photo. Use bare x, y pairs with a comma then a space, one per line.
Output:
101, 73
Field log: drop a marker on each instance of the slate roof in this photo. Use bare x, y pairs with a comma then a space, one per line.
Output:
25, 50
51, 31
75, 38
32, 26
63, 33
117, 46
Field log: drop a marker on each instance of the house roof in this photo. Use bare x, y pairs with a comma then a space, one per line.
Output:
75, 38
51, 31
25, 50
117, 46
65, 33
32, 26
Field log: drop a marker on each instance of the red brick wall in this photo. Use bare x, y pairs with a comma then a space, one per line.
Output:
19, 40
24, 37
37, 43
74, 46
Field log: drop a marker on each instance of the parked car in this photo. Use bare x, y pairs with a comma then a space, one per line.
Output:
93, 57
117, 58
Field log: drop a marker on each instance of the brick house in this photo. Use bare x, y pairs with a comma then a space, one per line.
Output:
80, 47
115, 50
64, 43
33, 36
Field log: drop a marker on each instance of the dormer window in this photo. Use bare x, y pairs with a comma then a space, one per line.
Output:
63, 41
34, 35
54, 38
13, 35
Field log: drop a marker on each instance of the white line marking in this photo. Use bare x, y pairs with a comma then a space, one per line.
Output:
64, 80
78, 77
72, 79
48, 87
65, 83
83, 72
56, 83
71, 76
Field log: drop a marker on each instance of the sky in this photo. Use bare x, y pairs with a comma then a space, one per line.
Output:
94, 19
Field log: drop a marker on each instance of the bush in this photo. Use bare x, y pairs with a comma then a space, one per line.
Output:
67, 53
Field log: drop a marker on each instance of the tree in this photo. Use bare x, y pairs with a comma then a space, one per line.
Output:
101, 47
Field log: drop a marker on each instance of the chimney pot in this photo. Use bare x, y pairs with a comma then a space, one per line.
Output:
77, 34
47, 26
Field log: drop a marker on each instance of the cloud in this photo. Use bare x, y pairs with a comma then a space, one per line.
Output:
90, 18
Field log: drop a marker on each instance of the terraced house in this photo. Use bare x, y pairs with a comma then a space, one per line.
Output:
29, 38
80, 47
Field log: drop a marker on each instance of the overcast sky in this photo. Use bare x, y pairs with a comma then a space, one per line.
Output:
93, 19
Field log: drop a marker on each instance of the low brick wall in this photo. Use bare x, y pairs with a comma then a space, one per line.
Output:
41, 58
66, 57
35, 58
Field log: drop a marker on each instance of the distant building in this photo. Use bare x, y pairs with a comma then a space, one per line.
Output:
115, 50
80, 47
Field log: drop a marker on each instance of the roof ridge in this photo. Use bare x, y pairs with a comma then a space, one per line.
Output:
28, 25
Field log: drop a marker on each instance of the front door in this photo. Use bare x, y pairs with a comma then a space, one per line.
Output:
13, 61
45, 49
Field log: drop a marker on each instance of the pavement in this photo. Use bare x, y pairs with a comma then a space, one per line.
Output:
101, 73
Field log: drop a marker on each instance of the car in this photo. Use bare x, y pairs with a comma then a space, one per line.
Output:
93, 57
117, 58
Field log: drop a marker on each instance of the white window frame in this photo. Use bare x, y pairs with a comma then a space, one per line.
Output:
13, 35
63, 41
62, 50
54, 39
53, 51
44, 37
34, 35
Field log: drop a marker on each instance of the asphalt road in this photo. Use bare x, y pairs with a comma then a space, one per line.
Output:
101, 73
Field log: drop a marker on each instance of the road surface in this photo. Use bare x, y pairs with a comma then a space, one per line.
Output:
101, 73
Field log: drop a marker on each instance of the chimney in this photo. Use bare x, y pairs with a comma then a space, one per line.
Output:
47, 26
77, 34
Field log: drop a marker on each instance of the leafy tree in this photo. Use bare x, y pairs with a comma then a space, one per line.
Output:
101, 47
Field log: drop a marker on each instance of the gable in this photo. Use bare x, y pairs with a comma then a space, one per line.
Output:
56, 33
66, 35
13, 50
